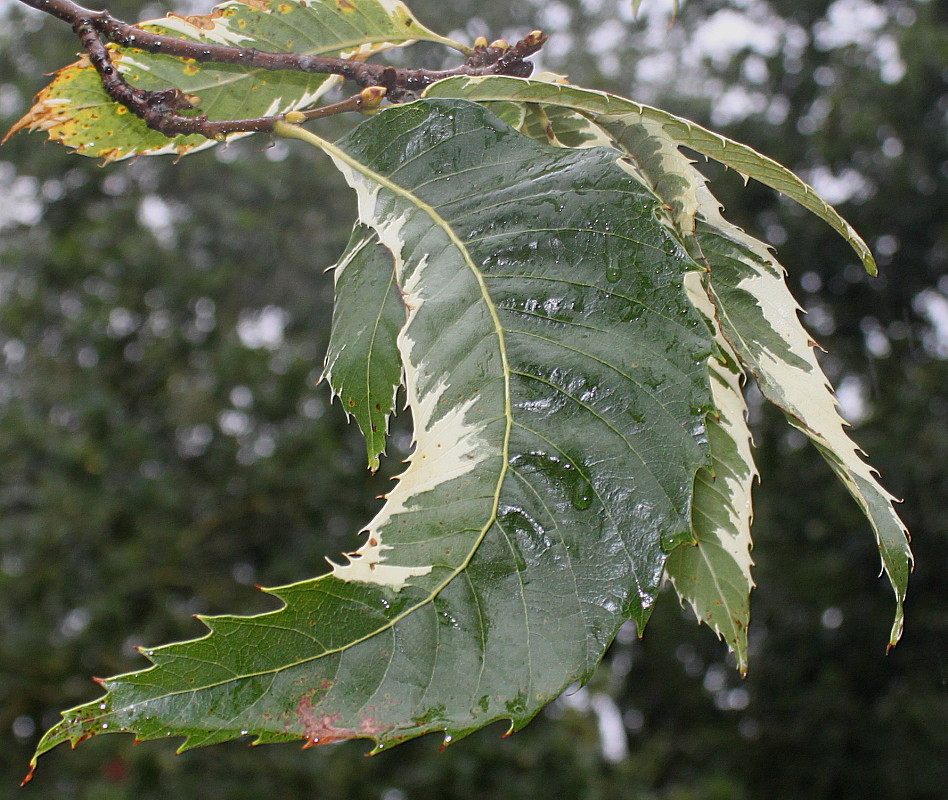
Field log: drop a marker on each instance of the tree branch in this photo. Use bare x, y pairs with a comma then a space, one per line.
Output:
159, 110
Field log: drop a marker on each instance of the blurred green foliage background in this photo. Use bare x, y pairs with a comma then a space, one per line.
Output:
164, 445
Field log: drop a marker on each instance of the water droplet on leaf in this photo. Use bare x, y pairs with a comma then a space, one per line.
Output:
582, 495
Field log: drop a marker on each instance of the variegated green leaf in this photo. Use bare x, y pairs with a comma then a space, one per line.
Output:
714, 575
362, 364
75, 110
761, 324
514, 114
557, 442
561, 126
759, 317
659, 129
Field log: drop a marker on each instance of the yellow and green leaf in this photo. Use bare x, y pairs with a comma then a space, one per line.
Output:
75, 110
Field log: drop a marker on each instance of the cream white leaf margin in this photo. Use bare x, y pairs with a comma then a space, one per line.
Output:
800, 388
714, 575
461, 447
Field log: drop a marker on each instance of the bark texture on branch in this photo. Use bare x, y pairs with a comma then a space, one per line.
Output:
161, 110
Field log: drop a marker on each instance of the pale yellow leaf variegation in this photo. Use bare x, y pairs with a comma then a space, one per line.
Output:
714, 575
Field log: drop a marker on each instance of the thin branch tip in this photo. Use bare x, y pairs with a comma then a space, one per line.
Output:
162, 110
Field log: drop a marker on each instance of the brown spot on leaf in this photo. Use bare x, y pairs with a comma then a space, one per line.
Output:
320, 728
204, 22
370, 726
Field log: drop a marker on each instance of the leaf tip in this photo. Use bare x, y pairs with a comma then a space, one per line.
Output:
897, 625
29, 773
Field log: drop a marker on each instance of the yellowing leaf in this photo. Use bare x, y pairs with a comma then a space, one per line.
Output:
75, 110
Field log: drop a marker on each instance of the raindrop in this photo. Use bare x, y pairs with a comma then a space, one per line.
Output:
582, 495
613, 274
102, 706
105, 725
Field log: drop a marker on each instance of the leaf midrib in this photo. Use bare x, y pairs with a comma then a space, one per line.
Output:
293, 131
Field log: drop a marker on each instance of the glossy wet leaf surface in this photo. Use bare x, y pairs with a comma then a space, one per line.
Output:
755, 314
557, 378
659, 132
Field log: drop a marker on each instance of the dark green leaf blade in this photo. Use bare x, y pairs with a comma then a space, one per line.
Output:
756, 309
558, 439
362, 363
665, 131
713, 573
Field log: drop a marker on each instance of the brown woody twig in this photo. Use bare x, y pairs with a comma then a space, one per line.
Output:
160, 110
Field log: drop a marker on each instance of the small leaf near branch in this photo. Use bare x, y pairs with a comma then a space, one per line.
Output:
76, 111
